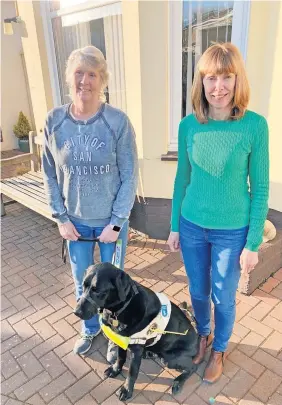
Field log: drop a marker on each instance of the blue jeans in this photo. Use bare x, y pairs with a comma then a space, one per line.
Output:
212, 262
82, 256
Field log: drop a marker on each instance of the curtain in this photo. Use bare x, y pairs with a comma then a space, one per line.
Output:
115, 59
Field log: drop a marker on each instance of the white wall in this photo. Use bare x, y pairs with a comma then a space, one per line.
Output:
14, 96
264, 68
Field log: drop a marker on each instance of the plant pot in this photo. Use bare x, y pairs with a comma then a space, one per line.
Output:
24, 145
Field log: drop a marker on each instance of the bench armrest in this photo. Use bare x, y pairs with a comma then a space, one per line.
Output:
35, 139
27, 157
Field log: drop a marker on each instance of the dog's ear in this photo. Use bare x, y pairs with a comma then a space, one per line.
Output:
121, 284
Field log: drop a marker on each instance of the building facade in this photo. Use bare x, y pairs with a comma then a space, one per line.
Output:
152, 48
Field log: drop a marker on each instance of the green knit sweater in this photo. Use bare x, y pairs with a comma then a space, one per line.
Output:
222, 178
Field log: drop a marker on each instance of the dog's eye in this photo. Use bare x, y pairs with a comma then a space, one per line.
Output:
86, 286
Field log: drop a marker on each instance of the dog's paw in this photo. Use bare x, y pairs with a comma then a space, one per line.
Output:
176, 387
111, 372
124, 393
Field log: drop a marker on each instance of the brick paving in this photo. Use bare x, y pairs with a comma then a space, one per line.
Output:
39, 329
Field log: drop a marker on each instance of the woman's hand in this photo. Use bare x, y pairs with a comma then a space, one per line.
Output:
248, 260
68, 231
173, 241
108, 235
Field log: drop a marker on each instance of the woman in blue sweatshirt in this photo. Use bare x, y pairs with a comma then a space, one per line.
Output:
90, 171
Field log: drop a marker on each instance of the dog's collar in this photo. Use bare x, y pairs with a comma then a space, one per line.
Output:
111, 321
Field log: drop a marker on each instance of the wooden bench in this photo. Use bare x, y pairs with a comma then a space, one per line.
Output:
28, 188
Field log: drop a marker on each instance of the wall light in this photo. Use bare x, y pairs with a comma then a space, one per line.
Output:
8, 27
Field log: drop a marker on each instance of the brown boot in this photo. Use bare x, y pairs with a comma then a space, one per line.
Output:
204, 343
214, 367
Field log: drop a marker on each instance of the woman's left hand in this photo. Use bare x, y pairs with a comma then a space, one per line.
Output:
108, 235
248, 260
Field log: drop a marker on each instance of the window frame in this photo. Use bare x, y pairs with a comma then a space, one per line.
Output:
47, 16
239, 37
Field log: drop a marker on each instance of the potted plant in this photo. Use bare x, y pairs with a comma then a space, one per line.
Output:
21, 130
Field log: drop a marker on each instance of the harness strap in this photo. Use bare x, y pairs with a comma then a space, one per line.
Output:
88, 299
164, 332
80, 239
128, 302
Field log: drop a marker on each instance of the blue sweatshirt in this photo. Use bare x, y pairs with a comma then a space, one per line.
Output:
90, 168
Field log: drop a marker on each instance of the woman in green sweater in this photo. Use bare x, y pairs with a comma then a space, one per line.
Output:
220, 195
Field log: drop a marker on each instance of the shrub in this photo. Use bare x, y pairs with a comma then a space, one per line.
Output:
22, 128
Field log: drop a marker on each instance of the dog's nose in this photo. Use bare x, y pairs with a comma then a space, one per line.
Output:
78, 312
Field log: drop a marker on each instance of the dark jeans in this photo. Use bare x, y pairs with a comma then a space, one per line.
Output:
212, 262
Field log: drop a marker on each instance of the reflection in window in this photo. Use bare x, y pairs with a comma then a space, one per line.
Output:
101, 27
204, 23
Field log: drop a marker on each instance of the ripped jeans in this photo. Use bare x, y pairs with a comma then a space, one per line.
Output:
212, 262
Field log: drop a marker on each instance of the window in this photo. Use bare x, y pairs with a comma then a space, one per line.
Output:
73, 24
203, 24
194, 26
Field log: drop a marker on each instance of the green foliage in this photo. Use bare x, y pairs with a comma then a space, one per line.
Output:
22, 128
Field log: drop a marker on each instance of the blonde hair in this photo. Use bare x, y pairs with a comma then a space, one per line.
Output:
89, 56
220, 59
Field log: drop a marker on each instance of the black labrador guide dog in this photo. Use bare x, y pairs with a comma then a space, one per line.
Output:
127, 308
